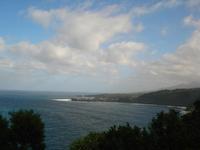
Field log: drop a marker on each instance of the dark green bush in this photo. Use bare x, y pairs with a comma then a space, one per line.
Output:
93, 140
23, 131
4, 134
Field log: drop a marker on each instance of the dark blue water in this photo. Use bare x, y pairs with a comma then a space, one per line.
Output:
66, 121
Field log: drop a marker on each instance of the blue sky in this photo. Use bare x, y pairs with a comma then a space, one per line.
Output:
99, 45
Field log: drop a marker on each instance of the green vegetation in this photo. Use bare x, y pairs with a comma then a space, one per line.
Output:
178, 97
23, 131
167, 131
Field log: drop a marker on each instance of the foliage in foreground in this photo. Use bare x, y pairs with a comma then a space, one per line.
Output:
23, 131
167, 131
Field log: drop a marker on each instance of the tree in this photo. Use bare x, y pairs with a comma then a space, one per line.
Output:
192, 127
116, 138
123, 137
93, 141
166, 131
27, 130
4, 134
23, 131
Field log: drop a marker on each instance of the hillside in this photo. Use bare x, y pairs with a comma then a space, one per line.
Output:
178, 97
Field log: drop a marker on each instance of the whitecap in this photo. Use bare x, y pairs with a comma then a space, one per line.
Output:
63, 99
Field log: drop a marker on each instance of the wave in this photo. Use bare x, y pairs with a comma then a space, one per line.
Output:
63, 99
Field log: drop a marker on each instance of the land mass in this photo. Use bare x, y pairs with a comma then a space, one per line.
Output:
177, 97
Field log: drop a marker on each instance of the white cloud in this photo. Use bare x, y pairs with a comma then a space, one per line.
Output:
6, 63
123, 53
164, 31
41, 16
79, 35
190, 21
147, 9
83, 29
138, 27
2, 43
164, 4
193, 3
183, 65
76, 47
55, 58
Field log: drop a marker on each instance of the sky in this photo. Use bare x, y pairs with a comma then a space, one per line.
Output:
99, 45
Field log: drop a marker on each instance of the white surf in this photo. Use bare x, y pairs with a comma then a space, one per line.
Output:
63, 99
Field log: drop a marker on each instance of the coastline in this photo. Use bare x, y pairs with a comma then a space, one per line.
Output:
136, 103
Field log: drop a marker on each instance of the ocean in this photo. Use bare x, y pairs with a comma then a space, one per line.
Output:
66, 121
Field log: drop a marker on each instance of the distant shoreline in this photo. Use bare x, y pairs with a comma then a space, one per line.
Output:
177, 97
72, 100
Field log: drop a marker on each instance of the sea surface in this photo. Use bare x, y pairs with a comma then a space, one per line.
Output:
66, 121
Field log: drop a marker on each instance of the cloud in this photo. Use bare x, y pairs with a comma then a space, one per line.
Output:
190, 21
5, 63
40, 16
82, 44
138, 27
193, 3
164, 31
77, 46
150, 8
183, 64
163, 4
82, 29
55, 58
2, 44
123, 53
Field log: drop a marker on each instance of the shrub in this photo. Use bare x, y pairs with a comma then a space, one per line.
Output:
4, 134
23, 131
